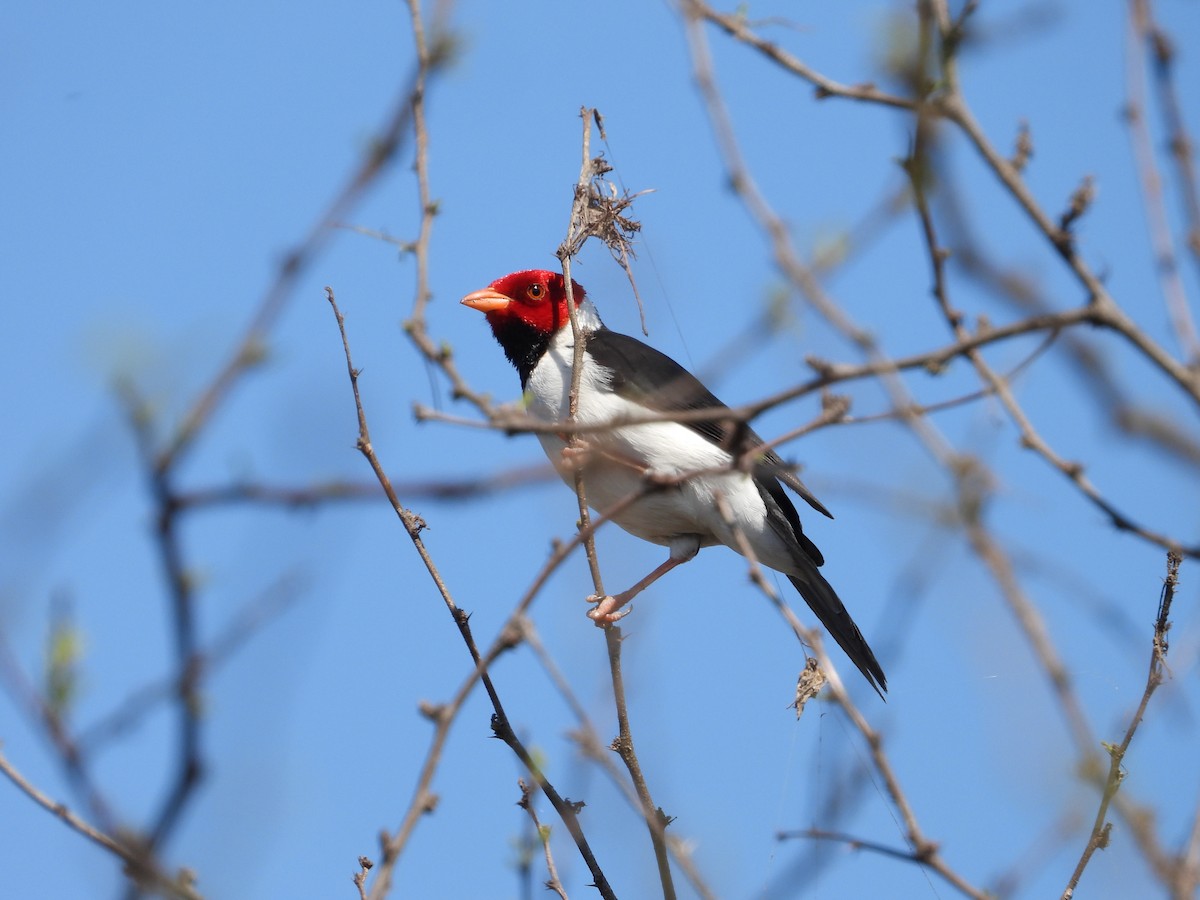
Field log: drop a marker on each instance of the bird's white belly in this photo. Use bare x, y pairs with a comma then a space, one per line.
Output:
621, 458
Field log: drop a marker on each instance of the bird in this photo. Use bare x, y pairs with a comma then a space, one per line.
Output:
684, 485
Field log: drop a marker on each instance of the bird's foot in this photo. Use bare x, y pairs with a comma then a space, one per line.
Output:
576, 456
607, 611
661, 479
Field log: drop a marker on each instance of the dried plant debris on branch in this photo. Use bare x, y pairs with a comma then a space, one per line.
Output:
599, 212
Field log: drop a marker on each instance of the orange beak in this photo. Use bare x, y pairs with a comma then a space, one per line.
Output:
486, 300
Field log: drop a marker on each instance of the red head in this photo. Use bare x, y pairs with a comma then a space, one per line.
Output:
535, 298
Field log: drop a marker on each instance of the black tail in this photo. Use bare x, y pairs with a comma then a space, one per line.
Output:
816, 591
823, 600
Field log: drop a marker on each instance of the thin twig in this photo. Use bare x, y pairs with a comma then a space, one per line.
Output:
854, 843
360, 877
656, 820
593, 216
71, 756
1179, 140
162, 459
1166, 263
543, 836
444, 715
181, 589
576, 234
738, 28
139, 863
950, 105
1108, 313
940, 98
448, 489
1101, 828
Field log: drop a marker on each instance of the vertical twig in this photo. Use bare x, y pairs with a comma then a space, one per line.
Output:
585, 223
1101, 828
180, 587
1141, 36
543, 836
1179, 140
576, 234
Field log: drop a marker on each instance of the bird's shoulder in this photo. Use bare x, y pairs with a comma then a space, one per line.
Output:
647, 375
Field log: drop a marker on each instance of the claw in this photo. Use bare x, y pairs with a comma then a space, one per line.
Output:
607, 612
576, 457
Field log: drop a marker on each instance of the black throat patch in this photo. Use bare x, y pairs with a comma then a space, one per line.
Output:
523, 344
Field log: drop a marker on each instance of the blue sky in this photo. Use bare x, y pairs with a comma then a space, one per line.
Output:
158, 164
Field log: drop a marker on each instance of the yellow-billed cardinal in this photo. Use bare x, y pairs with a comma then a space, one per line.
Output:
690, 490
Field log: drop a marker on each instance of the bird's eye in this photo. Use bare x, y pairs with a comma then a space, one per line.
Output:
535, 292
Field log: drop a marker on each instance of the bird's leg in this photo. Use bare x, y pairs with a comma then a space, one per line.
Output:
609, 608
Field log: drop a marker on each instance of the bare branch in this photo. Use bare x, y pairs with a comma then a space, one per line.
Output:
414, 525
1179, 140
1166, 262
457, 489
1102, 828
737, 27
139, 862
543, 834
71, 757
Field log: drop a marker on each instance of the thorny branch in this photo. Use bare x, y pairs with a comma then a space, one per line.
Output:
414, 525
543, 836
514, 630
587, 738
